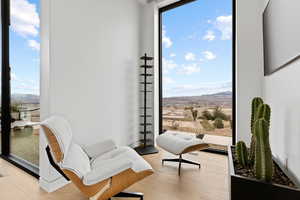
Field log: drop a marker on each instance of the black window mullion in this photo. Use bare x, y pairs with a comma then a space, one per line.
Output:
5, 84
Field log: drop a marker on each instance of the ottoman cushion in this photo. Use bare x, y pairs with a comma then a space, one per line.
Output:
177, 143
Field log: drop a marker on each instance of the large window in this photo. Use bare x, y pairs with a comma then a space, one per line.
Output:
197, 70
24, 62
20, 129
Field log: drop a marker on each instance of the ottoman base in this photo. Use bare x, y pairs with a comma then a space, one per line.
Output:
180, 160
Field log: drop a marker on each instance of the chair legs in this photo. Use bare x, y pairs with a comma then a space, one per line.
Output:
180, 160
130, 195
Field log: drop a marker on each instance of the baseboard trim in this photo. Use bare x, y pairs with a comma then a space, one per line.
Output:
53, 185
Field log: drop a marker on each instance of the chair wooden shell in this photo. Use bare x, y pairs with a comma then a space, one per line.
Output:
104, 189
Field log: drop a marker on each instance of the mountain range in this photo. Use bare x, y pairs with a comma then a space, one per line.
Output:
25, 98
217, 99
221, 99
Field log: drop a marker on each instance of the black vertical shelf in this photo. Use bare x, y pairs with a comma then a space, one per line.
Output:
147, 144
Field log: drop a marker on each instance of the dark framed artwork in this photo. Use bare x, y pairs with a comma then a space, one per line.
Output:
281, 30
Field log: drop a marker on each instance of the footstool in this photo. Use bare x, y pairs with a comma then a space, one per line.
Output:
178, 144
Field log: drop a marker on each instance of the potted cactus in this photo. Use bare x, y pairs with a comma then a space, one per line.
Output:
254, 174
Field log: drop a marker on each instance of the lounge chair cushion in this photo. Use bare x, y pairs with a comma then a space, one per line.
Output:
99, 148
176, 143
76, 161
106, 169
114, 162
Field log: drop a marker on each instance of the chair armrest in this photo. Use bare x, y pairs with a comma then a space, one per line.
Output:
108, 169
99, 148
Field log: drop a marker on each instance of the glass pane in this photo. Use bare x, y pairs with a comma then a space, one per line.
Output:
197, 70
25, 74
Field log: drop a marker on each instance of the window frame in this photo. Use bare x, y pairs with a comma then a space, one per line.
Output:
173, 6
6, 97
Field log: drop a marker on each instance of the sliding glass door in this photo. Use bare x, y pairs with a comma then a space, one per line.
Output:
196, 69
20, 83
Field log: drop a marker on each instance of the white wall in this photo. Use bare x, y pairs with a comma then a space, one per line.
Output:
249, 62
91, 76
95, 51
50, 180
147, 46
281, 92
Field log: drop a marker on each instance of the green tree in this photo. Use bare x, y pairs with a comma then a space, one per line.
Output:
194, 114
207, 115
218, 123
206, 125
16, 108
218, 113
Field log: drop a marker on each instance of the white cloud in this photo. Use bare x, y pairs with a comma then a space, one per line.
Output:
24, 86
210, 35
224, 25
13, 76
199, 89
167, 80
190, 56
168, 65
34, 45
189, 69
167, 42
24, 18
209, 55
172, 55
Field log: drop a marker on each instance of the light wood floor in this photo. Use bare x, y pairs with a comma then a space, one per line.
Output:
208, 183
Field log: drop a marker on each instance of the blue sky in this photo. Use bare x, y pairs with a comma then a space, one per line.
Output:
197, 51
197, 48
25, 46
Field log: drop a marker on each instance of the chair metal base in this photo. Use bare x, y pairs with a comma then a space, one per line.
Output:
180, 160
130, 195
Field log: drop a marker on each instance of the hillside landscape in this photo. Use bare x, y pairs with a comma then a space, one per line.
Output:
25, 98
209, 114
223, 99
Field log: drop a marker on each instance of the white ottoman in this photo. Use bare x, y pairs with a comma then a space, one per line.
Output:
178, 144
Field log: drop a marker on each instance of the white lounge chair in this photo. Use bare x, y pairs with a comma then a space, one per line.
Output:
100, 171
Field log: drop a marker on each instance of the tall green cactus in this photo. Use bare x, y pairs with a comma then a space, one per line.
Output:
263, 165
256, 102
242, 153
264, 111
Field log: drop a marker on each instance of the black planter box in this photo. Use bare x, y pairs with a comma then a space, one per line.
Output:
244, 188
